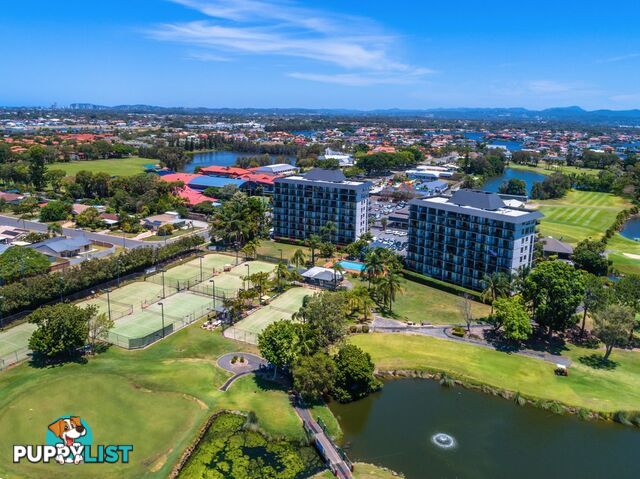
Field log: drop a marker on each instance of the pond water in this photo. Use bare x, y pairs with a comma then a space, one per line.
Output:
511, 145
529, 177
227, 158
631, 228
491, 437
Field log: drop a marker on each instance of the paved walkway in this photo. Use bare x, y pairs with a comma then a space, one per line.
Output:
251, 364
324, 444
387, 325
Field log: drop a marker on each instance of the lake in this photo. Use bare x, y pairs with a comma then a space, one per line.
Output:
529, 177
511, 145
494, 438
226, 158
631, 228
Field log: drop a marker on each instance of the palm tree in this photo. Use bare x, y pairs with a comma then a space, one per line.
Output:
373, 266
327, 230
314, 242
282, 273
363, 300
298, 258
250, 249
337, 268
389, 286
260, 281
497, 285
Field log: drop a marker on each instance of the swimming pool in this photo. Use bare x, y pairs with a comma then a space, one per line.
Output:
352, 265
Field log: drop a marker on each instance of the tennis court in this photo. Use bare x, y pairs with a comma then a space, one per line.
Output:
191, 271
282, 307
16, 338
177, 308
231, 281
126, 299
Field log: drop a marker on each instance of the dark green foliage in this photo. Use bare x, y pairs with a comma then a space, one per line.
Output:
55, 211
278, 343
354, 374
513, 187
62, 330
590, 256
19, 262
229, 449
313, 376
382, 162
553, 186
554, 289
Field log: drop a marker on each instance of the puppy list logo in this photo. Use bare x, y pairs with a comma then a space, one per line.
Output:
69, 440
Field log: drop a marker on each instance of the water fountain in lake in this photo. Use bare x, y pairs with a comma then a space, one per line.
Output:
443, 440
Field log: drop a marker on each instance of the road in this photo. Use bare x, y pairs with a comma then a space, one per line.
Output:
78, 233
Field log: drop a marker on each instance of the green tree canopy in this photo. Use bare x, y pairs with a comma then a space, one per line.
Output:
612, 326
55, 211
511, 315
554, 289
589, 256
313, 376
278, 343
61, 330
20, 262
354, 374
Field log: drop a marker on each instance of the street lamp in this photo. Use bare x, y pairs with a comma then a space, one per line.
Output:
280, 249
162, 309
248, 281
109, 303
213, 292
201, 278
163, 294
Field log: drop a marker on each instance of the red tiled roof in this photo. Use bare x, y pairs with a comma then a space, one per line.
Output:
184, 177
258, 178
224, 170
192, 196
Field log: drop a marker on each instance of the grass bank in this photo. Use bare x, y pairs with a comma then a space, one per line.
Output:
156, 399
547, 169
603, 390
421, 303
363, 470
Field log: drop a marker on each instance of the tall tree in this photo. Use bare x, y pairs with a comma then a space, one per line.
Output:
298, 258
511, 315
354, 374
596, 297
554, 289
278, 344
19, 262
313, 376
37, 166
388, 286
99, 326
612, 326
61, 331
314, 242
589, 256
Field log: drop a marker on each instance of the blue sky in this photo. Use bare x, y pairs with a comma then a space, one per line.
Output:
329, 54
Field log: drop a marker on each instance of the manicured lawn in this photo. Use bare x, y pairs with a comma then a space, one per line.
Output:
271, 248
625, 263
420, 303
115, 166
175, 234
545, 169
579, 215
597, 389
155, 399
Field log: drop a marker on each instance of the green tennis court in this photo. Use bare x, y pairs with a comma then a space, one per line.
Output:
191, 271
176, 309
231, 281
282, 307
15, 338
128, 297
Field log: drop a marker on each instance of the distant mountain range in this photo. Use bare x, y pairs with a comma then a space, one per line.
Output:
571, 113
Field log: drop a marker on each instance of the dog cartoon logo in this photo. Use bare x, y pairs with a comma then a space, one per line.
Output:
69, 433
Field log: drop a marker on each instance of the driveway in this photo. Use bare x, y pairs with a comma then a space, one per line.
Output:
251, 364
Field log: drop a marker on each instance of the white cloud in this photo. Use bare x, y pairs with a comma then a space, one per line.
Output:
256, 27
356, 79
543, 87
619, 58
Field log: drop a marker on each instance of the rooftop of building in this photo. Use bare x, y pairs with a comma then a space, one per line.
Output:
479, 203
324, 176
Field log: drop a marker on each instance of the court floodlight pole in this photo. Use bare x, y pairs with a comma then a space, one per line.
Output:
162, 310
